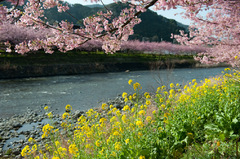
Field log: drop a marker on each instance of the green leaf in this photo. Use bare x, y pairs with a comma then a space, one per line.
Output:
234, 136
235, 120
212, 127
222, 137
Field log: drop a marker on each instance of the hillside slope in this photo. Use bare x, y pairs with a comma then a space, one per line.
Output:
153, 27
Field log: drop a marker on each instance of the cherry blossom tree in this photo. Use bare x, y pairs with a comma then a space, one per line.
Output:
17, 34
147, 47
219, 30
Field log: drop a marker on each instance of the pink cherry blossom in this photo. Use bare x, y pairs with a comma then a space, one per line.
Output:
219, 31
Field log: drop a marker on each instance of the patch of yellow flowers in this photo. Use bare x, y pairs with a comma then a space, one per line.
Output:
112, 135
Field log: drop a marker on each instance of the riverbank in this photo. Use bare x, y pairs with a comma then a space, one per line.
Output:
151, 120
15, 131
74, 63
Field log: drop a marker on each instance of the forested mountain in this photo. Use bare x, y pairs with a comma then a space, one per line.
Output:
153, 27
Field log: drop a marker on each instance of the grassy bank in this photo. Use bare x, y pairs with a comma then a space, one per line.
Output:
199, 120
71, 63
75, 57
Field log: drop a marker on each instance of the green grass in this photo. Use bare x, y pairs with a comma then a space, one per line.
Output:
76, 57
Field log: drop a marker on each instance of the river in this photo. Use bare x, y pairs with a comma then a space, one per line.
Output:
86, 91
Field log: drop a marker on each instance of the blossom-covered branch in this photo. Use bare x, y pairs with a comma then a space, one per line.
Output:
219, 30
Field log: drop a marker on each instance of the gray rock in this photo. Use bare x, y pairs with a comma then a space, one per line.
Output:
17, 126
77, 114
16, 151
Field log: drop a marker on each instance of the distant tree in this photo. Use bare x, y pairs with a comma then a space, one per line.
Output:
155, 38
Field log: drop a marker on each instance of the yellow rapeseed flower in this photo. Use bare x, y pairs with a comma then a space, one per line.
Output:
111, 106
113, 119
73, 149
148, 102
137, 86
163, 87
104, 106
50, 115
117, 146
146, 94
227, 69
163, 106
82, 119
98, 143
127, 141
149, 118
139, 134
116, 133
130, 97
102, 120
124, 118
134, 95
103, 149
113, 154
142, 157
47, 129
124, 95
133, 109
145, 107
118, 113
139, 123
31, 140
90, 112
161, 100
34, 147
62, 151
57, 143
65, 115
142, 112
126, 107
171, 91
46, 108
109, 112
130, 81
45, 156
26, 151
68, 107
166, 115
171, 85
88, 146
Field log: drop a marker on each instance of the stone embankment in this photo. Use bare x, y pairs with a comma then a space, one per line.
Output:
16, 130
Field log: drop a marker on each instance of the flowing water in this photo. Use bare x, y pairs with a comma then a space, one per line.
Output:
86, 91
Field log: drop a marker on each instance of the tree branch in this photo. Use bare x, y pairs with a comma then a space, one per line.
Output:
14, 7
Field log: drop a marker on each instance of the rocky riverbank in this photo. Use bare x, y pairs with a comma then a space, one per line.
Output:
16, 130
